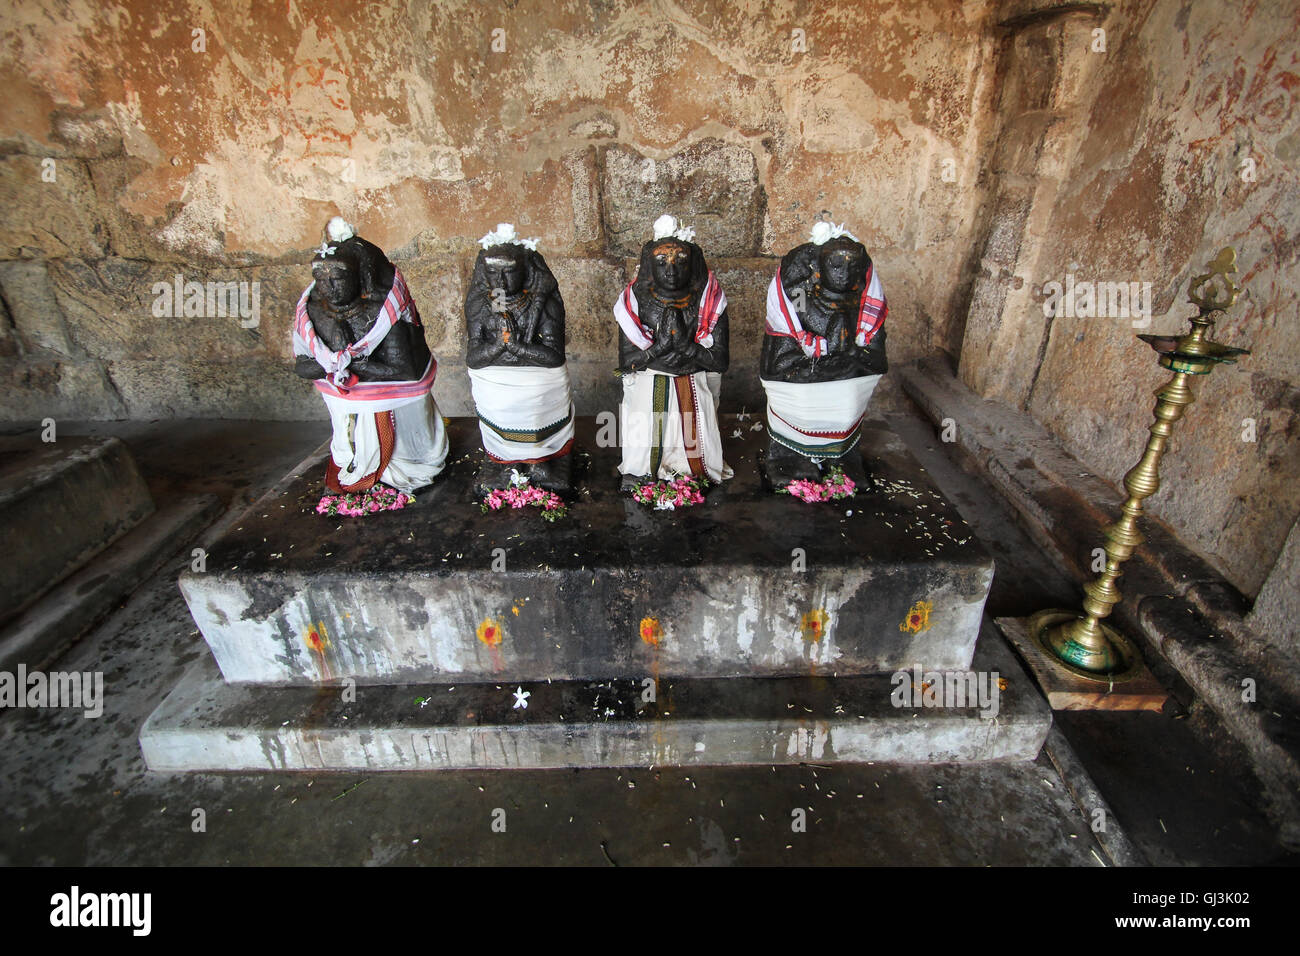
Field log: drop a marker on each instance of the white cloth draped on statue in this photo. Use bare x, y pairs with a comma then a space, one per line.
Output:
818, 419
525, 413
397, 306
669, 426
419, 441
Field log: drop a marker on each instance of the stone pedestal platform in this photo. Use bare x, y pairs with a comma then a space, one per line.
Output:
752, 629
207, 724
747, 585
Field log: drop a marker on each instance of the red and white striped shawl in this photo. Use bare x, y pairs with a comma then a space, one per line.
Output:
712, 304
339, 382
783, 320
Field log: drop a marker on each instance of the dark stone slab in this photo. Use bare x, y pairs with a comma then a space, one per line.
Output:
206, 724
62, 503
399, 597
46, 629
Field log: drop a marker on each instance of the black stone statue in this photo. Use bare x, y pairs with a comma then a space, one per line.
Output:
823, 353
669, 288
672, 351
357, 335
514, 319
342, 312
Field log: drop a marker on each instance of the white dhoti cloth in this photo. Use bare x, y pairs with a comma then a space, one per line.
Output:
525, 413
818, 419
669, 426
415, 431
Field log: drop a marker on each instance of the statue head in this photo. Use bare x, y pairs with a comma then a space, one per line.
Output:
670, 265
338, 276
843, 264
505, 268
501, 272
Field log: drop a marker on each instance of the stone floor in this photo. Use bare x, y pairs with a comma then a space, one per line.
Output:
75, 791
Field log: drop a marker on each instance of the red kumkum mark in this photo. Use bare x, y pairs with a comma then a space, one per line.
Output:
317, 639
917, 619
813, 625
490, 632
651, 632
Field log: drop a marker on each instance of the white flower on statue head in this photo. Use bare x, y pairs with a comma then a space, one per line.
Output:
667, 225
505, 232
339, 229
823, 231
517, 478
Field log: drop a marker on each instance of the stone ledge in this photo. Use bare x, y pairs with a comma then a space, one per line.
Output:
1062, 505
61, 504
1112, 837
1268, 723
38, 636
1069, 504
206, 724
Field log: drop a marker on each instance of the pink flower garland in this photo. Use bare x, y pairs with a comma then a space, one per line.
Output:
836, 485
670, 495
358, 503
523, 495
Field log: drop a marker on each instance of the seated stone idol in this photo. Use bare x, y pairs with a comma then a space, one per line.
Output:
672, 353
515, 322
823, 353
366, 352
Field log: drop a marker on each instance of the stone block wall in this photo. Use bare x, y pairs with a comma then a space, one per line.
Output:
147, 140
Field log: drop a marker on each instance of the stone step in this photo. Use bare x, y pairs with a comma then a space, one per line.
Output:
748, 584
47, 628
61, 503
207, 724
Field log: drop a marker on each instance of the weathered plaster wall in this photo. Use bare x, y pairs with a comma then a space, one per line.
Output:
979, 149
1155, 180
424, 125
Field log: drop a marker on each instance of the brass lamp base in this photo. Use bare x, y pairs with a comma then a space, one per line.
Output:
1082, 644
1107, 657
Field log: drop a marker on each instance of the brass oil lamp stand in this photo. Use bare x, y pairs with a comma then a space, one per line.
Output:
1083, 644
